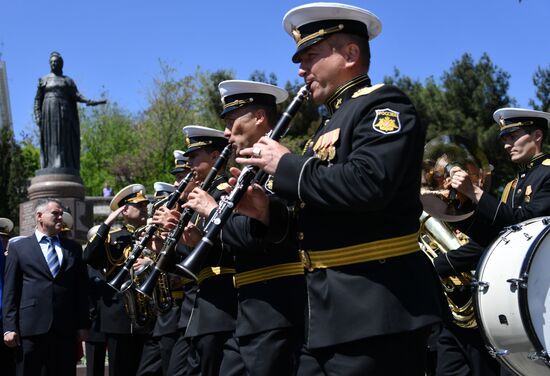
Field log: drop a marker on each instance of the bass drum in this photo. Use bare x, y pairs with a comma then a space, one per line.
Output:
512, 298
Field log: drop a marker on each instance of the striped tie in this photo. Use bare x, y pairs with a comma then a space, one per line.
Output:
51, 257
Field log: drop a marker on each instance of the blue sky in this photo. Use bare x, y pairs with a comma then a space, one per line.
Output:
115, 46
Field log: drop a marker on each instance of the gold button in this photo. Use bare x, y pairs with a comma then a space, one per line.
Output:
300, 236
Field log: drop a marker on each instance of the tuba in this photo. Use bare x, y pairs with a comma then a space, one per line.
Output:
436, 237
443, 205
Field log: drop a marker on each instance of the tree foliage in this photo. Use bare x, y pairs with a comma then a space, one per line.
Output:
462, 103
19, 162
541, 80
121, 148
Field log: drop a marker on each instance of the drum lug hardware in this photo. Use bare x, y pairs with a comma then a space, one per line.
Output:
527, 236
519, 282
497, 353
539, 355
480, 286
515, 227
546, 221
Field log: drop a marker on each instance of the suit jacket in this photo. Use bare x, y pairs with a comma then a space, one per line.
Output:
35, 302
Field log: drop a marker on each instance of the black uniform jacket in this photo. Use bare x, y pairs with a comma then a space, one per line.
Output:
34, 302
215, 307
528, 197
189, 293
362, 184
103, 250
96, 285
266, 305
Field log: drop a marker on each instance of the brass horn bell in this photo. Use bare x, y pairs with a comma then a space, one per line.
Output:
440, 155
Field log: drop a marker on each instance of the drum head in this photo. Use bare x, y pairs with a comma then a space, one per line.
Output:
538, 289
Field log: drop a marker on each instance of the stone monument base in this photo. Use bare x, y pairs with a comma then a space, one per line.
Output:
56, 185
66, 188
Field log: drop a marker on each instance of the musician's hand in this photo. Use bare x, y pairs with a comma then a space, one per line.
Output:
111, 218
201, 202
190, 186
460, 180
11, 339
254, 203
157, 241
142, 262
166, 218
191, 235
265, 154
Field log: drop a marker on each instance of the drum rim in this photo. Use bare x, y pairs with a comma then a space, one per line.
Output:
522, 294
483, 260
489, 345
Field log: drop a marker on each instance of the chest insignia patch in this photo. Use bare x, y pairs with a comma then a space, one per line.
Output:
268, 186
386, 121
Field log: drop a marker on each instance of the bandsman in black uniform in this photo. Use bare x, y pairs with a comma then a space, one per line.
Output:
212, 320
462, 351
269, 277
107, 252
181, 165
158, 348
372, 296
183, 358
95, 340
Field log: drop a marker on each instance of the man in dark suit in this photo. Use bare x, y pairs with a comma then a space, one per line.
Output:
44, 302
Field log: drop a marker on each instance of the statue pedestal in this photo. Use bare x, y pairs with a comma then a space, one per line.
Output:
69, 190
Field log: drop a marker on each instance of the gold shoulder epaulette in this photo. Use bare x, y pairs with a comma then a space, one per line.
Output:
222, 186
366, 90
546, 162
113, 230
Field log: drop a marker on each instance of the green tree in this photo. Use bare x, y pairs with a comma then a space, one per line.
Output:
109, 137
541, 80
18, 164
172, 105
209, 105
462, 103
304, 123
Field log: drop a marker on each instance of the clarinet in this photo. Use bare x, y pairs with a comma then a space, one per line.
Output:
167, 253
123, 274
192, 264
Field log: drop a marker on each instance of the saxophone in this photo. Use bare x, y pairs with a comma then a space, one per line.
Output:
436, 238
139, 307
162, 296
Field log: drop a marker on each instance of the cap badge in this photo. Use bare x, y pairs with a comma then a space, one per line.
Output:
386, 121
296, 34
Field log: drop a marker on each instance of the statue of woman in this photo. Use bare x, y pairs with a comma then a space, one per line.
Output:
56, 113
